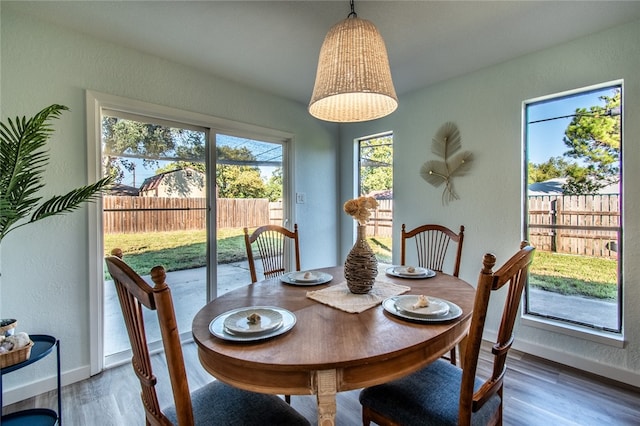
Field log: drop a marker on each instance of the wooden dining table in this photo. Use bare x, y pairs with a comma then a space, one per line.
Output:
329, 350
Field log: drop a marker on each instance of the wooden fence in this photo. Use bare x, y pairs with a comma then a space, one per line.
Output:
586, 225
155, 214
124, 214
381, 222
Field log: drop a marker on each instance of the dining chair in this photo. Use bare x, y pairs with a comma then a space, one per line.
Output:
272, 242
443, 394
432, 243
213, 404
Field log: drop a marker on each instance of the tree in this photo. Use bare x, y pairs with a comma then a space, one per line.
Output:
123, 139
554, 167
274, 185
593, 138
376, 159
234, 178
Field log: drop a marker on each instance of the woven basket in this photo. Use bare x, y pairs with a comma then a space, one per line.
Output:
7, 325
10, 358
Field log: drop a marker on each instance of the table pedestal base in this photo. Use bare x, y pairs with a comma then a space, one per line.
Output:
326, 388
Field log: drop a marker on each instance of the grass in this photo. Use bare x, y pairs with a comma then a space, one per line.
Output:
177, 250
381, 246
575, 275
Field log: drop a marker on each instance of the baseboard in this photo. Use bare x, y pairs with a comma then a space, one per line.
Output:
37, 387
609, 372
632, 378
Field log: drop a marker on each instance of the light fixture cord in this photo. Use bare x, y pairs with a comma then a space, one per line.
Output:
353, 13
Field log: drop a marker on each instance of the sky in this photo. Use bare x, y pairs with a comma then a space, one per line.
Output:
545, 138
263, 151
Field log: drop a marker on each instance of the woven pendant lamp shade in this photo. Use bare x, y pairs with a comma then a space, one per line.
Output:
353, 81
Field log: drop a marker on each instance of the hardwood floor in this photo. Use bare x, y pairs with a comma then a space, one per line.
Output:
537, 392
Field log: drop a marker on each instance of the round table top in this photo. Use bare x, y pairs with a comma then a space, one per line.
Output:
366, 348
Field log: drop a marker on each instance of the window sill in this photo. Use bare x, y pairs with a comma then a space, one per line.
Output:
607, 338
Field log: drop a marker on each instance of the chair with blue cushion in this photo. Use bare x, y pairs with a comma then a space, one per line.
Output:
443, 394
213, 404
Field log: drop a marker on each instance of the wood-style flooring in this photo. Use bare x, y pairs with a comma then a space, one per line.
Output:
537, 392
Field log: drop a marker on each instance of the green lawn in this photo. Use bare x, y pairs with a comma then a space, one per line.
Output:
578, 275
175, 250
588, 276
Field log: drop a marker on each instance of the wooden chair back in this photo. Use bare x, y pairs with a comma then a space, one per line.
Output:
432, 242
134, 293
273, 243
512, 275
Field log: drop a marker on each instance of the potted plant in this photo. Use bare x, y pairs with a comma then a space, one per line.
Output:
23, 158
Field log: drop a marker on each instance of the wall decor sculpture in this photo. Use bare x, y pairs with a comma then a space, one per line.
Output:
446, 143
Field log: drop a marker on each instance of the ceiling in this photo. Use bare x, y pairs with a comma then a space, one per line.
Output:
273, 45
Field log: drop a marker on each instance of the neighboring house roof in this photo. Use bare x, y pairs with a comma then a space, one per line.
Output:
123, 190
152, 182
382, 194
554, 187
185, 182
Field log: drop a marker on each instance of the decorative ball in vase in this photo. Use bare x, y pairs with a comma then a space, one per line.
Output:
361, 265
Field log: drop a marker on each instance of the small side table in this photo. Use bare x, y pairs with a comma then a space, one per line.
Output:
42, 346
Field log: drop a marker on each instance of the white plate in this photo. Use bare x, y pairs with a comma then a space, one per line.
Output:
389, 305
305, 276
238, 322
405, 270
297, 278
217, 328
436, 306
427, 273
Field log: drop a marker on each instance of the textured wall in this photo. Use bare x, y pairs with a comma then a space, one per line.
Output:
45, 276
487, 106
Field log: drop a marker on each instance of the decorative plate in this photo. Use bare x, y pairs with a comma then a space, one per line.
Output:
394, 271
390, 306
218, 329
253, 320
306, 278
436, 306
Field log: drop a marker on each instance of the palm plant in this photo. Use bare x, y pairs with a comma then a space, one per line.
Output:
23, 157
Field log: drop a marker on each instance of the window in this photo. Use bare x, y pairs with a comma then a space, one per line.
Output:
375, 179
156, 213
573, 206
185, 191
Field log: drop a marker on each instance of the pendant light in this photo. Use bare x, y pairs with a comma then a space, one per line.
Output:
353, 81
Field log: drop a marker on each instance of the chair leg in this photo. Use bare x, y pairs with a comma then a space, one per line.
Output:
287, 398
366, 418
453, 356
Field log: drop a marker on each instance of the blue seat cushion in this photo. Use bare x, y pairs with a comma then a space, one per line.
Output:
429, 396
220, 404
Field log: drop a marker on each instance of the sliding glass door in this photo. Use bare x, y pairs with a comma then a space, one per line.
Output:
156, 214
250, 192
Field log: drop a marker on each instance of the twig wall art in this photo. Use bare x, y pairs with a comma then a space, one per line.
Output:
445, 144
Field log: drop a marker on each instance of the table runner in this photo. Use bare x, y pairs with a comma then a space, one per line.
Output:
339, 296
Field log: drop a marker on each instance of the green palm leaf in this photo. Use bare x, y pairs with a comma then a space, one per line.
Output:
23, 157
69, 202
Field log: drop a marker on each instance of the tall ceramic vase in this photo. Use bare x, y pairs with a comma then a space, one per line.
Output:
361, 265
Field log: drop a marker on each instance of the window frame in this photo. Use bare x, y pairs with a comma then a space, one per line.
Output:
612, 338
95, 103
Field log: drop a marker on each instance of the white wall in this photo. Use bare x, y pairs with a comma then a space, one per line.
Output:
45, 266
487, 106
